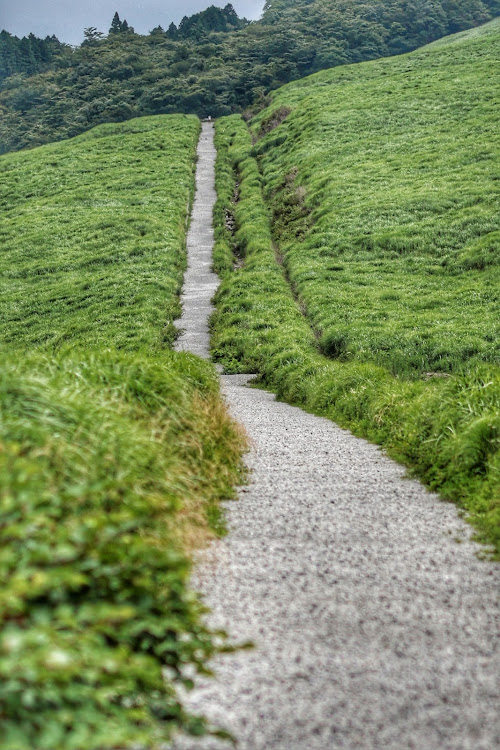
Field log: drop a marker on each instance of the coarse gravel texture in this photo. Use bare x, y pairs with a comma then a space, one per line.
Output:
375, 623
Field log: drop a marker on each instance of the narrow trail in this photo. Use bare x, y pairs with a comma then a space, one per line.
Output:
373, 627
200, 283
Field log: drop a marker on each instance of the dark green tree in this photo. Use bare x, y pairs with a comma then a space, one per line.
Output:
92, 36
172, 31
116, 24
126, 27
231, 15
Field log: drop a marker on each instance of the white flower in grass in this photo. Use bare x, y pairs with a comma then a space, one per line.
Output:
57, 659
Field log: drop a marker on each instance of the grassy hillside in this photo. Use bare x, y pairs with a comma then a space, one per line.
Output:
371, 280
391, 181
92, 235
114, 451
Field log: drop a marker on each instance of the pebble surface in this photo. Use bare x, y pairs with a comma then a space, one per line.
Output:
374, 622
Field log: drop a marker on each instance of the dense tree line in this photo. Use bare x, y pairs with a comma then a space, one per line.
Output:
211, 19
27, 55
212, 63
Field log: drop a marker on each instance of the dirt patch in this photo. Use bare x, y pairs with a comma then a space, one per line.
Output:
291, 215
273, 120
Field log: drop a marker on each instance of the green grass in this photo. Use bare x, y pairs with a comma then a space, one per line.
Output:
108, 463
384, 184
368, 260
92, 235
114, 450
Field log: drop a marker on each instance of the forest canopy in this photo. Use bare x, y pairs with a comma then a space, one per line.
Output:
212, 63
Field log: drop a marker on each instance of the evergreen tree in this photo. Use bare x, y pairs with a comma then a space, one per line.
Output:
231, 15
172, 31
28, 58
10, 56
116, 24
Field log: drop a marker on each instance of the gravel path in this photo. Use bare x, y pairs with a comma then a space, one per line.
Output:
373, 627
200, 284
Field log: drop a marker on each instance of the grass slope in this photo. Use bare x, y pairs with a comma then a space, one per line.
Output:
92, 235
114, 450
384, 182
377, 245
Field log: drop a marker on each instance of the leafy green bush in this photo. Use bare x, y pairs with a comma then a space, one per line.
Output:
104, 459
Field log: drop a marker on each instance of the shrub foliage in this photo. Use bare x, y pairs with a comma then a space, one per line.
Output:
101, 455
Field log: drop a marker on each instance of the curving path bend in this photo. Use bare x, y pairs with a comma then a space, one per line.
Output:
373, 627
